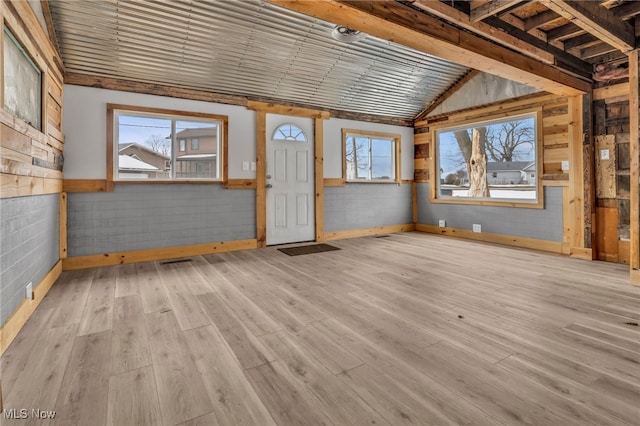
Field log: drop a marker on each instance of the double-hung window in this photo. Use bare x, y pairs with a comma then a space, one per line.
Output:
371, 156
160, 145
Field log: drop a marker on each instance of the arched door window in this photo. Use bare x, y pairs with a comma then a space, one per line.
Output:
289, 132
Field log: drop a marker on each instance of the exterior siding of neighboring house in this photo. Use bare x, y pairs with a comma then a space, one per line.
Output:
149, 165
511, 173
196, 153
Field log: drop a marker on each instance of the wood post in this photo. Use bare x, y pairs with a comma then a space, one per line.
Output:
634, 151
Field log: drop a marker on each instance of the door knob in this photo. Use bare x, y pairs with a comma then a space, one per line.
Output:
269, 185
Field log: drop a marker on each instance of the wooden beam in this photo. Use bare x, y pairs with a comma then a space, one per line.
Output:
541, 19
393, 21
51, 29
446, 95
596, 20
564, 32
444, 11
634, 152
261, 178
490, 8
275, 108
318, 141
627, 10
576, 187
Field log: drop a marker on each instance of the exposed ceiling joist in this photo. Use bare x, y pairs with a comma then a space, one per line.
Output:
481, 11
596, 20
444, 11
627, 10
564, 32
540, 19
390, 20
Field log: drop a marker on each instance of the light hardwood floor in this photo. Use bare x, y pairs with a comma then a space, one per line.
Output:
409, 329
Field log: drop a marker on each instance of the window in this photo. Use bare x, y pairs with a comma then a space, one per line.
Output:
289, 132
370, 156
149, 144
22, 83
195, 144
493, 160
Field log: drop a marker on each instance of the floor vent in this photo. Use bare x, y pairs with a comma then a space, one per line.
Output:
169, 262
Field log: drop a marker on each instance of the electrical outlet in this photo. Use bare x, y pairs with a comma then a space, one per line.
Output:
477, 227
604, 154
442, 223
29, 291
565, 165
253, 166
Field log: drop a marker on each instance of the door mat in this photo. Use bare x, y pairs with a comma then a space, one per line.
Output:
312, 248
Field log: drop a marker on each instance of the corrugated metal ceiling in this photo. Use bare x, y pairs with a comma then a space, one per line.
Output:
247, 48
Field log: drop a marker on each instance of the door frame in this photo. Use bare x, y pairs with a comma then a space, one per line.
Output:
262, 109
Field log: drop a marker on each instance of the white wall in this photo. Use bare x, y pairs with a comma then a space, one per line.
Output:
85, 128
333, 144
85, 117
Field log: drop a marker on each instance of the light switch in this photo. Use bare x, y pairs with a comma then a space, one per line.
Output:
253, 166
604, 154
565, 165
245, 166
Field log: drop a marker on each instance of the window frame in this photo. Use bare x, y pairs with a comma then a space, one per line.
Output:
397, 143
8, 33
195, 146
434, 184
222, 155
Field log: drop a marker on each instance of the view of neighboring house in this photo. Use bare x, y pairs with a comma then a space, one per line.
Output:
511, 172
136, 161
196, 152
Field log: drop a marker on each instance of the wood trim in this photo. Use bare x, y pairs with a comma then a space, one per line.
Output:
274, 108
563, 183
19, 186
51, 29
319, 177
614, 91
151, 89
261, 171
110, 149
224, 143
334, 182
635, 277
414, 202
396, 137
63, 226
450, 91
509, 240
84, 185
367, 232
392, 21
240, 184
581, 253
634, 153
492, 7
120, 258
18, 319
576, 186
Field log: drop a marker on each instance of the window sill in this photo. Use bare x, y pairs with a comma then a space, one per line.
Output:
510, 203
168, 182
396, 182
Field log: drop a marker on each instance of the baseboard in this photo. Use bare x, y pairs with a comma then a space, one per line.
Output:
18, 319
366, 232
509, 240
635, 277
581, 253
118, 258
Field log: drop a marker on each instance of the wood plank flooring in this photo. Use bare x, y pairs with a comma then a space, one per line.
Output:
410, 329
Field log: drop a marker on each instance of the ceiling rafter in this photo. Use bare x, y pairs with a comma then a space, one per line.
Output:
444, 11
596, 20
541, 19
490, 8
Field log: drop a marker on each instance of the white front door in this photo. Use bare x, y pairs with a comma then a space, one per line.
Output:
290, 180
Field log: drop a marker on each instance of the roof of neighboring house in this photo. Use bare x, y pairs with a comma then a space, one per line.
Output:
195, 156
123, 146
197, 133
509, 166
126, 162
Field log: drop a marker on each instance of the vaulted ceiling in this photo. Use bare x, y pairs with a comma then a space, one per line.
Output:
283, 50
